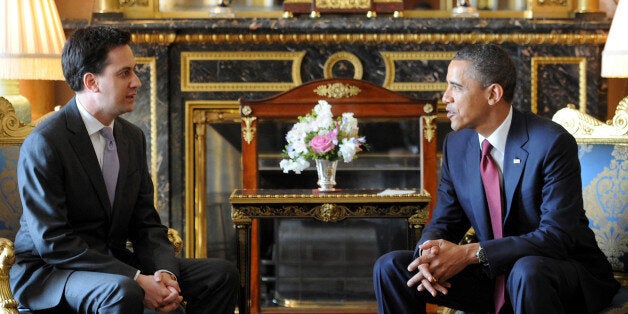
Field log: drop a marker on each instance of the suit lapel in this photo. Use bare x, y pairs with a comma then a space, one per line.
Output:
515, 157
84, 149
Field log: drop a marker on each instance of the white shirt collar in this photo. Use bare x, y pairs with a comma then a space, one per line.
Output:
92, 124
500, 135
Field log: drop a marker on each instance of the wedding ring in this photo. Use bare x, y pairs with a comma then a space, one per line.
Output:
434, 280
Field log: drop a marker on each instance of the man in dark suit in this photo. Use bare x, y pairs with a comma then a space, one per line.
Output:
71, 253
541, 257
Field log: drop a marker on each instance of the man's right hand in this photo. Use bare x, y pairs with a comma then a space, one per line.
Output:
157, 295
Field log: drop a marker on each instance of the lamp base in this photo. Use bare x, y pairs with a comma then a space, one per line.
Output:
10, 89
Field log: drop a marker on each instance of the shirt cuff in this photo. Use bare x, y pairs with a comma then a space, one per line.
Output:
169, 272
136, 275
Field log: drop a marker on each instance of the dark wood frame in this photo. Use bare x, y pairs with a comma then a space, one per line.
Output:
365, 100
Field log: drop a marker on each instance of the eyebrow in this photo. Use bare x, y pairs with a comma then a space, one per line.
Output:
127, 68
454, 83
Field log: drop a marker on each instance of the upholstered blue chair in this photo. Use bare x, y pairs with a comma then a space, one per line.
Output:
12, 134
603, 154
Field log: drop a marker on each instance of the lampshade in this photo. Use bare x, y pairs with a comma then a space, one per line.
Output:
615, 53
31, 40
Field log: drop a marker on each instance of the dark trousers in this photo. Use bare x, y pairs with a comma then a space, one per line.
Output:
207, 285
534, 285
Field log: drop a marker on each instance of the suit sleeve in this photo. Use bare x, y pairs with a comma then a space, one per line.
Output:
448, 221
549, 202
148, 234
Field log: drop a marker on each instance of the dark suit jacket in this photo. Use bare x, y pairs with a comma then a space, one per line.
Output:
544, 213
67, 222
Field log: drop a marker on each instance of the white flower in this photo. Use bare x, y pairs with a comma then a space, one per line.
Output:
348, 125
349, 147
297, 165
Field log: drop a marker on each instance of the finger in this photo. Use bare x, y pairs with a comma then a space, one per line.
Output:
441, 288
416, 279
414, 264
428, 286
425, 245
434, 250
172, 297
157, 276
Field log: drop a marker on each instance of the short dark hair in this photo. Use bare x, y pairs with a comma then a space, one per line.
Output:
86, 51
491, 64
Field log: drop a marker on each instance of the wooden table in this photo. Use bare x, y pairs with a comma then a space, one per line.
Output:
247, 205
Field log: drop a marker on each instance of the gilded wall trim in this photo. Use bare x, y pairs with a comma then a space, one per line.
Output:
340, 56
534, 77
198, 113
390, 57
151, 62
155, 39
397, 38
254, 56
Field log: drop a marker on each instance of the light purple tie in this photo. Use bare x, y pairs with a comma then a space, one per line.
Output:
490, 179
110, 162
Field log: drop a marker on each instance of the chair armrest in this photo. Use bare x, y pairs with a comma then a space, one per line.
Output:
175, 239
8, 304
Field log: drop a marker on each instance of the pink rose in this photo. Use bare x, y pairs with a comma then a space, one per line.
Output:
321, 144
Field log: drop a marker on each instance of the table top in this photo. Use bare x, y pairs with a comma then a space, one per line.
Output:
285, 196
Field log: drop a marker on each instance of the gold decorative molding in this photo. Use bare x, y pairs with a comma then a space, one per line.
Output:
347, 56
330, 212
390, 57
153, 39
397, 38
337, 90
585, 127
534, 77
327, 212
429, 127
197, 114
12, 130
343, 4
254, 56
248, 132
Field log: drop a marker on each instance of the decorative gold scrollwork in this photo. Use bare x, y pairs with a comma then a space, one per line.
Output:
343, 4
428, 108
429, 128
248, 132
246, 110
337, 90
240, 218
418, 219
330, 212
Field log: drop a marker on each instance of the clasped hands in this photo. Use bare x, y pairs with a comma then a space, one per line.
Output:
161, 291
439, 261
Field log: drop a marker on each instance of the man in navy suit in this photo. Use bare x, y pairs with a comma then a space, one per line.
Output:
546, 258
70, 250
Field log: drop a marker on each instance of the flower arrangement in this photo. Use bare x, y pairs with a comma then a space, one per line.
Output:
319, 136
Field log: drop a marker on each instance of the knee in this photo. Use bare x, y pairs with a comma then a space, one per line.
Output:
389, 263
529, 269
126, 288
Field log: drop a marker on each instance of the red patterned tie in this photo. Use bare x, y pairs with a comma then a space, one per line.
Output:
490, 179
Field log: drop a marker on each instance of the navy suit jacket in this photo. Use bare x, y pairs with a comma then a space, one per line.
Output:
68, 223
544, 213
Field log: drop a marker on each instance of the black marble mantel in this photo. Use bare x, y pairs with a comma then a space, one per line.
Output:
190, 65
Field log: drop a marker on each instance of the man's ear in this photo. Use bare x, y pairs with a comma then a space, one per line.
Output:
90, 81
495, 93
